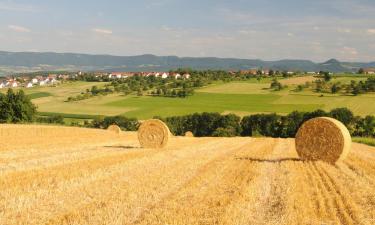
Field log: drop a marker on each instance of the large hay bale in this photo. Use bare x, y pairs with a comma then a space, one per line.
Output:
153, 134
114, 128
323, 138
189, 134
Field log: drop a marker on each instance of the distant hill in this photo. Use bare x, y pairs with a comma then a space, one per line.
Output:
35, 61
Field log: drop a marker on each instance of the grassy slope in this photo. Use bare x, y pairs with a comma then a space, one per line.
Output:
365, 140
243, 98
146, 107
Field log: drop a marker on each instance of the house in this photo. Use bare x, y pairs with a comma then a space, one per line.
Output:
34, 81
186, 76
29, 85
42, 83
13, 84
164, 75
177, 76
116, 75
157, 74
2, 85
369, 71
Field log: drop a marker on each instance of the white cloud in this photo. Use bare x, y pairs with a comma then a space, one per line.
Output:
371, 31
344, 30
19, 29
8, 6
102, 31
349, 50
166, 28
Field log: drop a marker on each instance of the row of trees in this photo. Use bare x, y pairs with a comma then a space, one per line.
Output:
354, 88
272, 125
94, 91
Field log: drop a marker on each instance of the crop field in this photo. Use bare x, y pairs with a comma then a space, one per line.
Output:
243, 98
87, 176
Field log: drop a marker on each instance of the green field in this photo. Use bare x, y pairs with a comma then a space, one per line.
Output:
365, 140
242, 98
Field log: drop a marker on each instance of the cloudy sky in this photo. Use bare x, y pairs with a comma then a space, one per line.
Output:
263, 29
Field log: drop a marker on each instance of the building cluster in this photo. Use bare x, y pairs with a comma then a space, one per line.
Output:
124, 75
29, 82
163, 75
268, 72
369, 71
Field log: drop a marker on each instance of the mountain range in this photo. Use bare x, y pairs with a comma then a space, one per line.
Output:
15, 62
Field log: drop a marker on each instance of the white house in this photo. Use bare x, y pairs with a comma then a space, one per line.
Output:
2, 85
42, 83
34, 81
186, 76
29, 85
177, 76
53, 81
14, 84
164, 75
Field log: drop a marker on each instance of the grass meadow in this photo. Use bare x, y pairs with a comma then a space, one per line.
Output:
242, 98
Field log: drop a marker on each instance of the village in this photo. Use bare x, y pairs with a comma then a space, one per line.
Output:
53, 79
29, 81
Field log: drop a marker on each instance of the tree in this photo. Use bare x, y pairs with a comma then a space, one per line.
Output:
276, 85
16, 108
356, 90
342, 114
361, 71
335, 88
327, 77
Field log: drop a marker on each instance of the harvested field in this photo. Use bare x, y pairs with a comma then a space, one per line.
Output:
298, 80
99, 177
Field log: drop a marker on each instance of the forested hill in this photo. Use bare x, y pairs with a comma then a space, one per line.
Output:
35, 61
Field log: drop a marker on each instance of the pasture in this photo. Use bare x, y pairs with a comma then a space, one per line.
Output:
86, 176
242, 98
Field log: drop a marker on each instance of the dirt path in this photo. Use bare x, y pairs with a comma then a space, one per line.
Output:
194, 181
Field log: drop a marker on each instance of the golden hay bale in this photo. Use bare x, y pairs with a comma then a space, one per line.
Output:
189, 134
114, 128
153, 134
323, 139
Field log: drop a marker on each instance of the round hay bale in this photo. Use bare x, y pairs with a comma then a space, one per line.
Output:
189, 134
323, 138
153, 134
114, 128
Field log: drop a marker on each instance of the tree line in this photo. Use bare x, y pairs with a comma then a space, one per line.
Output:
270, 125
354, 87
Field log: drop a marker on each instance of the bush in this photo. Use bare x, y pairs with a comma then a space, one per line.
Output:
126, 124
16, 107
204, 124
224, 132
55, 119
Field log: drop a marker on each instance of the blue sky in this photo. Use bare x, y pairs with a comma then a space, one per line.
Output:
267, 29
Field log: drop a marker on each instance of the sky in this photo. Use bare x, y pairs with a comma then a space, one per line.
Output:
268, 29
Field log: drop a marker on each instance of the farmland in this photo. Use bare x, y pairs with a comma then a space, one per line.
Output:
240, 97
84, 176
